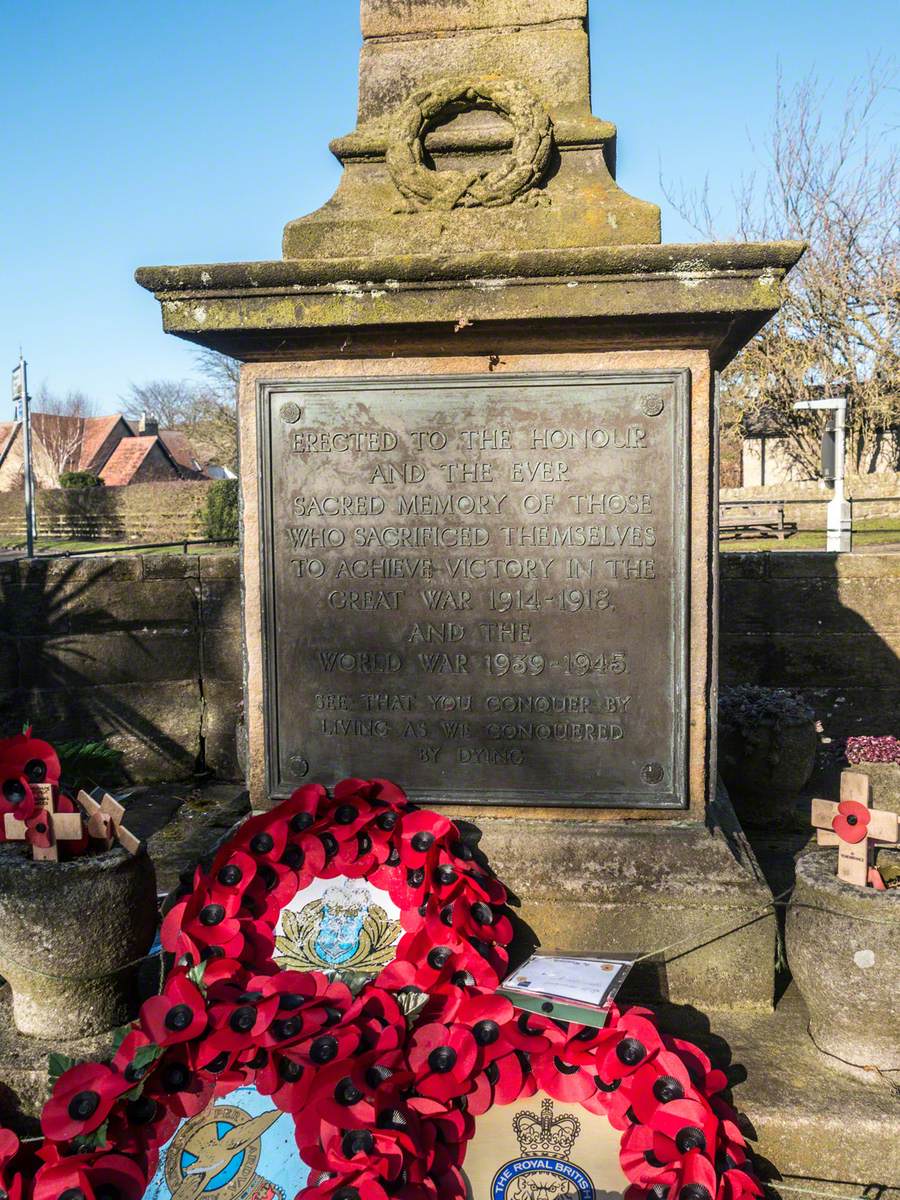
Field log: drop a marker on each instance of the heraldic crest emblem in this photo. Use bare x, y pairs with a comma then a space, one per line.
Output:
544, 1171
342, 929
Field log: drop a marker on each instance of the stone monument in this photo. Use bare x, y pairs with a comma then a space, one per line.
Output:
479, 488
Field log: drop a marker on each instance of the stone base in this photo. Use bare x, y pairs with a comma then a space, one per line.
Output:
809, 1121
24, 1076
692, 896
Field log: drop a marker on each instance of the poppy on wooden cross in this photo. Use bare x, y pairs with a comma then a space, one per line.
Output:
45, 827
105, 822
854, 827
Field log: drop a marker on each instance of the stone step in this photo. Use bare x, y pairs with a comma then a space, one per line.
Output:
812, 1120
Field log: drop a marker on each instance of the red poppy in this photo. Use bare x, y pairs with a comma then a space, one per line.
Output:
568, 1070
738, 1183
852, 821
286, 1080
93, 1176
24, 760
178, 1084
660, 1080
81, 1100
178, 1014
443, 1058
358, 1185
690, 1124
648, 1158
628, 1041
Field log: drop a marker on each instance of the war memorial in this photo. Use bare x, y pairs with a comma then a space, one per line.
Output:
479, 559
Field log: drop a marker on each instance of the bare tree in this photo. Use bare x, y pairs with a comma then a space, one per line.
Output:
57, 423
172, 402
838, 331
206, 413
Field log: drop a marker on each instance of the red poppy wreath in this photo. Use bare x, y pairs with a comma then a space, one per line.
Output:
383, 1070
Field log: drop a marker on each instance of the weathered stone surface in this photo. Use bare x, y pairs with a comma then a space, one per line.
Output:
24, 1079
70, 935
220, 603
121, 657
809, 1121
223, 706
842, 951
638, 888
155, 725
885, 779
202, 817
392, 18
553, 63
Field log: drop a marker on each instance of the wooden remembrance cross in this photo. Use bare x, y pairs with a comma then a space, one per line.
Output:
881, 828
51, 826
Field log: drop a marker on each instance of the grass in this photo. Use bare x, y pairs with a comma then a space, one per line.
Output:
876, 531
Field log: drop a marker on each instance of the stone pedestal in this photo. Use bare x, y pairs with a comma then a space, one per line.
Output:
477, 233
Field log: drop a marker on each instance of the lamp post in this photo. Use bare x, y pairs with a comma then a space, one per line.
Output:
22, 402
840, 525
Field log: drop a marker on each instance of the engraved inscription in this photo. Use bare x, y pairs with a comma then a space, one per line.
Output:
477, 587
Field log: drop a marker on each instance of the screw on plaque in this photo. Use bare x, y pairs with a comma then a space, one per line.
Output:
652, 406
299, 765
652, 772
290, 412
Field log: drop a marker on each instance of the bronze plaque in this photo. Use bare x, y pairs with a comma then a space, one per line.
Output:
476, 586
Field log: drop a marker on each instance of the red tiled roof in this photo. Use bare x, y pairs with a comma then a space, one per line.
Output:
122, 465
7, 429
96, 431
180, 449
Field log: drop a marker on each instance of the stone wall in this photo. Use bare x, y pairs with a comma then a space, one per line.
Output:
805, 502
143, 649
147, 648
826, 624
142, 512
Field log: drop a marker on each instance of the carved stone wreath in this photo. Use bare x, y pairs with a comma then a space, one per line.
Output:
517, 173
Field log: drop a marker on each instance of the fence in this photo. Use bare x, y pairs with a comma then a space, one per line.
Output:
143, 512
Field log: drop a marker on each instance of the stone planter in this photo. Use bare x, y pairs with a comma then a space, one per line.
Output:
764, 767
842, 950
67, 934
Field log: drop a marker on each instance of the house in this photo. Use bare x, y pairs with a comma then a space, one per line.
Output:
118, 451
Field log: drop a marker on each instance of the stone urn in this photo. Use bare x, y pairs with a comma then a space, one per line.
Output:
71, 939
767, 751
842, 951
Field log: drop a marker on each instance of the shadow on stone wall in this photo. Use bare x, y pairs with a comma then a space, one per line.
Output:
114, 648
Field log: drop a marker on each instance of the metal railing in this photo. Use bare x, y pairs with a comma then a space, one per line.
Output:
128, 548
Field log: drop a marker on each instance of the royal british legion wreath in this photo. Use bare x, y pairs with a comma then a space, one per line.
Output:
384, 1082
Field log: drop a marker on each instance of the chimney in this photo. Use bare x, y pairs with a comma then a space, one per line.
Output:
148, 425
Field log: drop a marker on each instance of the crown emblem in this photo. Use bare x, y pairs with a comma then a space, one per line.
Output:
545, 1134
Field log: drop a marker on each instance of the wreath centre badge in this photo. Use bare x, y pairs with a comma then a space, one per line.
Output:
544, 1150
337, 924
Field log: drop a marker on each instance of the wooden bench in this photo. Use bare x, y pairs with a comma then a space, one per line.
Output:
736, 520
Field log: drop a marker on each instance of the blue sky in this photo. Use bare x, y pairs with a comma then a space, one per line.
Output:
192, 130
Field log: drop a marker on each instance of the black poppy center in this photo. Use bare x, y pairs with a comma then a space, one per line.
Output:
141, 1111
630, 1052
357, 1141
667, 1088
14, 790
35, 770
851, 820
442, 1059
387, 821
212, 914
421, 842
347, 1093
694, 1191
289, 1070
346, 1193
486, 1032
690, 1138
445, 875
230, 876
377, 1075
483, 913
72, 1194
345, 814
175, 1077
287, 1028
219, 1063
83, 1105
262, 843
301, 821
178, 1018
293, 857
415, 877
323, 1050
243, 1019
565, 1068
439, 957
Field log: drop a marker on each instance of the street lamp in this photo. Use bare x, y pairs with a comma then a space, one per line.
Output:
840, 525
